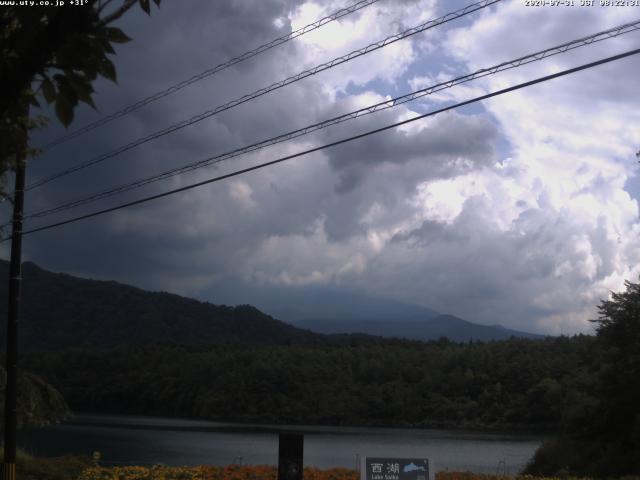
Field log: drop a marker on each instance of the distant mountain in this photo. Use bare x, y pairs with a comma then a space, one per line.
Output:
330, 311
61, 311
297, 305
428, 328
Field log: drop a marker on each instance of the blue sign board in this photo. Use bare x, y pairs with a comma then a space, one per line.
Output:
396, 468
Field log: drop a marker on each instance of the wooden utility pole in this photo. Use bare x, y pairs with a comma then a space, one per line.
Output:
13, 317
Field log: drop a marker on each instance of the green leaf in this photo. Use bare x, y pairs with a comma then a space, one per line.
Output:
66, 90
64, 110
89, 101
106, 46
91, 68
48, 90
115, 35
144, 4
83, 90
107, 69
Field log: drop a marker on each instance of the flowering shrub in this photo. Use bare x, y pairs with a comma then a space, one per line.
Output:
261, 472
143, 473
477, 476
230, 472
466, 476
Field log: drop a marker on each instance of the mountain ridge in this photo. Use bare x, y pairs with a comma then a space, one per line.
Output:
63, 311
329, 310
454, 328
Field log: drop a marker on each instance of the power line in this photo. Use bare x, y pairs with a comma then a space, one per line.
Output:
211, 71
282, 83
332, 144
533, 57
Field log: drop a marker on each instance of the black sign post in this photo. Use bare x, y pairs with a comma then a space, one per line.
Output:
396, 468
290, 452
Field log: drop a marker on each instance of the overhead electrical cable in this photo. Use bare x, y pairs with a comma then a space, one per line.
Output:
332, 144
282, 83
387, 104
211, 71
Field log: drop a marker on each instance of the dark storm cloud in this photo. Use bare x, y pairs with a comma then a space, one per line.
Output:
164, 51
286, 225
207, 32
430, 232
451, 144
179, 40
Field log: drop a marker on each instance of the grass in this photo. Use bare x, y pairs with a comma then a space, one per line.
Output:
29, 467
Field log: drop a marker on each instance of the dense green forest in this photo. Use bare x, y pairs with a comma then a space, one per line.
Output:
516, 383
601, 435
39, 403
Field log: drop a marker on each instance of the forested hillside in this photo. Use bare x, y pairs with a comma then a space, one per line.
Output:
38, 402
521, 383
61, 311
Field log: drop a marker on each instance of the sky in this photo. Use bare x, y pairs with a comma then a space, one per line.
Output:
521, 210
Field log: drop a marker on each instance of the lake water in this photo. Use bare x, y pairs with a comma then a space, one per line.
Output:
150, 440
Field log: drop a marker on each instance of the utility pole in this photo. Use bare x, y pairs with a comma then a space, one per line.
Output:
13, 317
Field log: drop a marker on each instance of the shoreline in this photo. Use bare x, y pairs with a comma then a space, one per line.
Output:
260, 424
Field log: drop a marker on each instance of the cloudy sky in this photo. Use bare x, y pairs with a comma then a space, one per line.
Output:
520, 210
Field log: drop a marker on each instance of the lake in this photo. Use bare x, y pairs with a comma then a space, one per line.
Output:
150, 440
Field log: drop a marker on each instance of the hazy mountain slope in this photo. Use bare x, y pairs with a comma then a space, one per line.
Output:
62, 311
427, 328
328, 310
298, 304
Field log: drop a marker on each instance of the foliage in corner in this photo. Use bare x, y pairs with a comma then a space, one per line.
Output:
603, 437
53, 54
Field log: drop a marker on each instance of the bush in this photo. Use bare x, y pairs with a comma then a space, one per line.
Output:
230, 472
